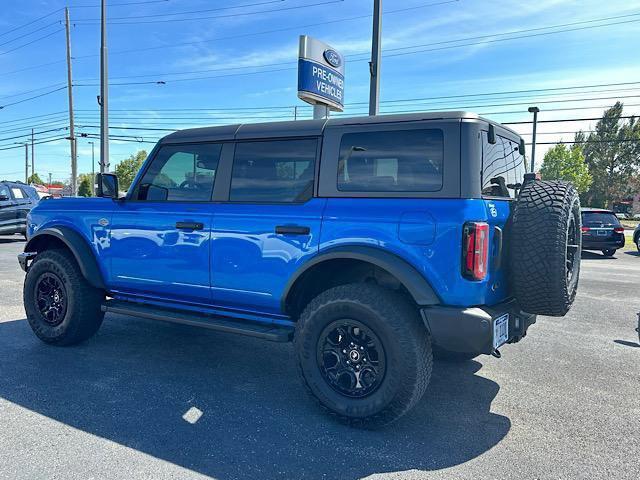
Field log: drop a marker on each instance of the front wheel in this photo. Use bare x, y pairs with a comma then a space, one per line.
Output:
608, 252
62, 308
638, 243
364, 353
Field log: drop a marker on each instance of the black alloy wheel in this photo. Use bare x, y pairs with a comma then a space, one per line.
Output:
351, 358
51, 298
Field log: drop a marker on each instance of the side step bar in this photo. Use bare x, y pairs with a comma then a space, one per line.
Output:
274, 333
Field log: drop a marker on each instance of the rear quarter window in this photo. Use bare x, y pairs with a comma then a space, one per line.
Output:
391, 161
501, 162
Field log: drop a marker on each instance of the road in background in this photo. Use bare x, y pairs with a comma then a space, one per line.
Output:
564, 403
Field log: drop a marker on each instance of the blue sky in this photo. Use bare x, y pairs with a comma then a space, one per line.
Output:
222, 60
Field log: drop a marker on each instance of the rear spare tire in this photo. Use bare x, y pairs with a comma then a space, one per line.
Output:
546, 241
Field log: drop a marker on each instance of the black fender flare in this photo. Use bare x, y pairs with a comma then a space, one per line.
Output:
417, 286
77, 245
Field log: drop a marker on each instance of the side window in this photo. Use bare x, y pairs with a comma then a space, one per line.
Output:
4, 191
391, 161
502, 162
277, 171
181, 173
18, 194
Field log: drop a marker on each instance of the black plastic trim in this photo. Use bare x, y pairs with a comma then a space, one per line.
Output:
419, 288
79, 248
274, 333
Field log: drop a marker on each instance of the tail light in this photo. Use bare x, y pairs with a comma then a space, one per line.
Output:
585, 229
475, 250
619, 229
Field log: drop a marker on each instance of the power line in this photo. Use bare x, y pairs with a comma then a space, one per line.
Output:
230, 15
264, 32
30, 33
192, 12
31, 91
31, 42
31, 22
32, 98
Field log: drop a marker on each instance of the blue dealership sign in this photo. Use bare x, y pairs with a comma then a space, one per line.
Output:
323, 83
320, 74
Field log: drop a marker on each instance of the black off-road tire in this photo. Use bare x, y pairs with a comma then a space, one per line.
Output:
609, 252
82, 316
405, 341
442, 355
545, 246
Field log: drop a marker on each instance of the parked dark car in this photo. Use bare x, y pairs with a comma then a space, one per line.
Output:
636, 237
601, 230
16, 201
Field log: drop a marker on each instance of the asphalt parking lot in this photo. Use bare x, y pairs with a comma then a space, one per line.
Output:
564, 403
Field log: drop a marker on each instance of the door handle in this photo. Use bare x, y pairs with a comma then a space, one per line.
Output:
292, 230
189, 226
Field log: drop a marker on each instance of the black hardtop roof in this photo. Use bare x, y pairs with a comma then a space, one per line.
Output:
308, 128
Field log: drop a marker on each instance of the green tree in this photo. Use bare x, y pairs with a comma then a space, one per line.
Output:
127, 169
563, 163
84, 189
35, 178
88, 180
612, 154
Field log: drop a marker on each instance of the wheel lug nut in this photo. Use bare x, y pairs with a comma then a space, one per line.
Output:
344, 351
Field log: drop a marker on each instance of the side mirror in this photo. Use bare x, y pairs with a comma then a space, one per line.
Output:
107, 185
3, 197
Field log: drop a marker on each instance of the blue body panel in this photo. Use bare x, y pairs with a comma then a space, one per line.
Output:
237, 263
427, 233
250, 263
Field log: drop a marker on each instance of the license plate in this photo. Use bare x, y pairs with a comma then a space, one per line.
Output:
500, 330
601, 233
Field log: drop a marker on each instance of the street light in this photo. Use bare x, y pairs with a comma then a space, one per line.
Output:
535, 111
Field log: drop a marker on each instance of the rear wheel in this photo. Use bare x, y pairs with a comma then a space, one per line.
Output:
62, 308
363, 353
638, 242
608, 252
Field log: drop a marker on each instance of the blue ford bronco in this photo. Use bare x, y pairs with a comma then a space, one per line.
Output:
374, 244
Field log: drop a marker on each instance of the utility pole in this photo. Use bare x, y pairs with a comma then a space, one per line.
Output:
374, 65
93, 169
535, 111
33, 157
104, 93
72, 136
26, 163
49, 184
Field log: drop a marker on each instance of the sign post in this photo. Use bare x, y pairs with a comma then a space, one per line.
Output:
320, 76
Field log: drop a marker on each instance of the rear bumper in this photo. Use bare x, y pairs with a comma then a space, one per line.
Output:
470, 329
593, 243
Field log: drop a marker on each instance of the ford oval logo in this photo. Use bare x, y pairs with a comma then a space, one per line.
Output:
333, 58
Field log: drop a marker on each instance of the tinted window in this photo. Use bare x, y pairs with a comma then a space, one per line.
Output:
17, 193
391, 161
4, 190
274, 171
599, 219
181, 173
501, 161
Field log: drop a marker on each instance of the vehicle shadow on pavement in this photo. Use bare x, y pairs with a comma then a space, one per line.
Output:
626, 343
597, 256
633, 254
135, 380
12, 240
